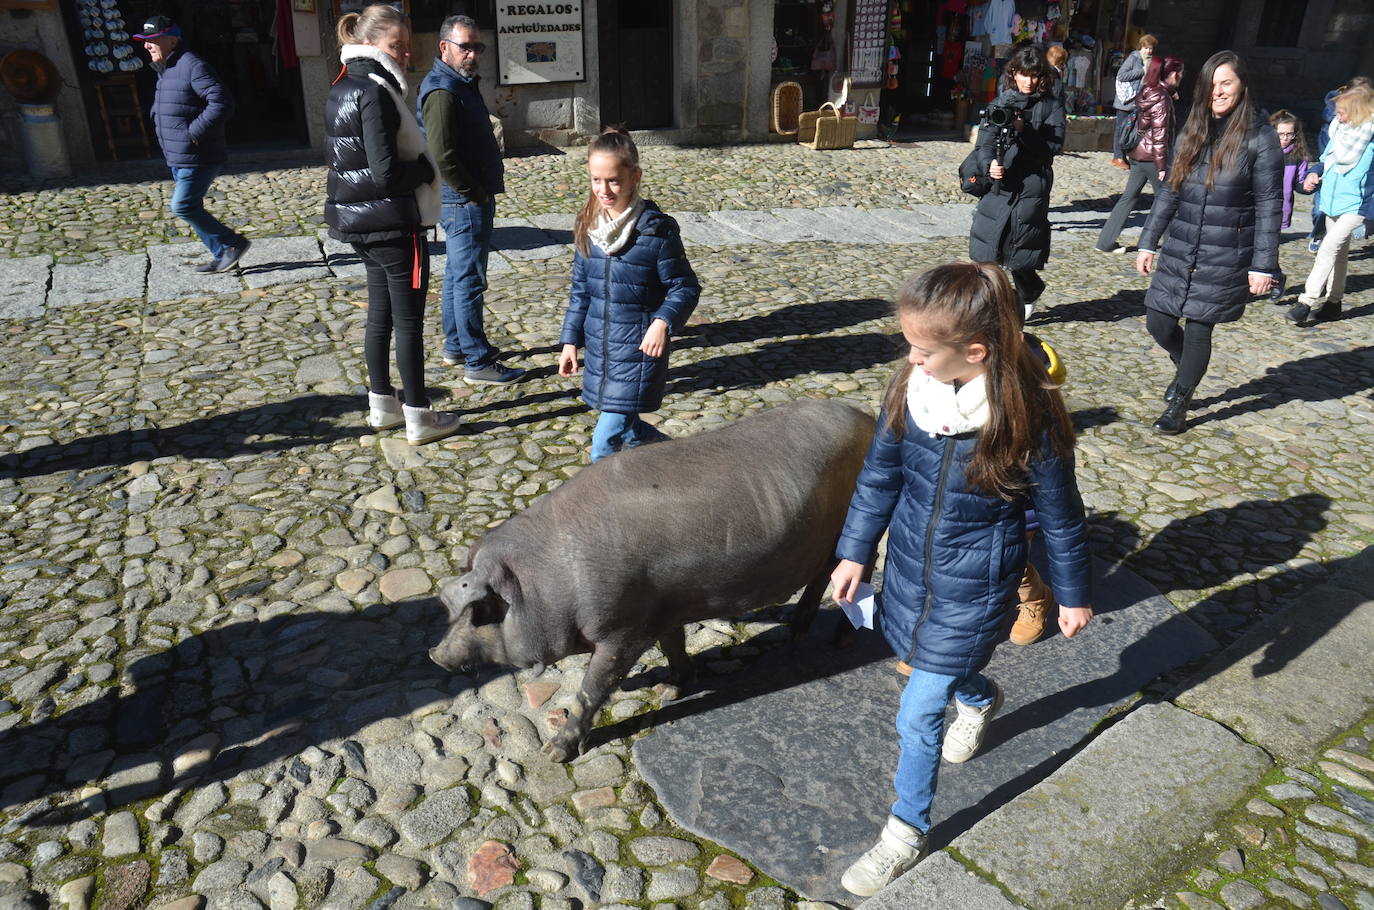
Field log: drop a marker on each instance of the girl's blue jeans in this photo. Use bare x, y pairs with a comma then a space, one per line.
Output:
921, 730
614, 431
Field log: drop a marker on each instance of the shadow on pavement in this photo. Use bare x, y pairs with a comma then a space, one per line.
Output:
263, 689
785, 359
1324, 377
1124, 304
301, 421
794, 319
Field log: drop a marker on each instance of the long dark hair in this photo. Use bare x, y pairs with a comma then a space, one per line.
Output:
1030, 60
965, 302
1199, 130
614, 140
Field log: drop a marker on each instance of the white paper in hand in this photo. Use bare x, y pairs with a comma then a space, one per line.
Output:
860, 611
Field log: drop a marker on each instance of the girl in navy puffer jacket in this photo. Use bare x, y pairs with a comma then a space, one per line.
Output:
632, 288
972, 434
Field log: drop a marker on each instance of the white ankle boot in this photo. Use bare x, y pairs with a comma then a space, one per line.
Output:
426, 424
899, 847
384, 411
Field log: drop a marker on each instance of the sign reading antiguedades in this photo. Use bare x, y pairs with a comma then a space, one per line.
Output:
539, 42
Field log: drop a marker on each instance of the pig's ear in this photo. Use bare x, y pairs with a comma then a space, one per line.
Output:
503, 593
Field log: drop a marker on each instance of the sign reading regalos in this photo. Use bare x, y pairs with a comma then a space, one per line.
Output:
539, 42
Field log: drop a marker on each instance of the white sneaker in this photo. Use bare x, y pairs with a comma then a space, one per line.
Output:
384, 411
426, 424
965, 736
899, 847
1029, 308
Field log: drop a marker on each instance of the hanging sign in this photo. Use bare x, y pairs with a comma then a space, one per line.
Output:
539, 42
868, 42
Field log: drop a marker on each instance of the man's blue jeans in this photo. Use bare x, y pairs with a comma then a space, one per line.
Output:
921, 731
188, 204
614, 431
467, 242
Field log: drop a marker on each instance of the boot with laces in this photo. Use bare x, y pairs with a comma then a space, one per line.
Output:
1035, 599
426, 424
384, 411
899, 847
965, 736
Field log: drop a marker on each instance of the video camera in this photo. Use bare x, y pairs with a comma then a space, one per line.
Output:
1000, 117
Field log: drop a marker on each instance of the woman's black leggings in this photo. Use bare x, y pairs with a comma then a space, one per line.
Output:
1189, 345
397, 281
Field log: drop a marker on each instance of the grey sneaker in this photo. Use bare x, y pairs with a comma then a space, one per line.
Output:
453, 360
899, 847
494, 373
965, 736
231, 256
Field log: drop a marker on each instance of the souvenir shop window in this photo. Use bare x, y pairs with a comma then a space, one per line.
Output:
1281, 23
794, 34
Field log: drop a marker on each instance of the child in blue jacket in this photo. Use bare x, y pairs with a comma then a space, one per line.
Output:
972, 434
632, 287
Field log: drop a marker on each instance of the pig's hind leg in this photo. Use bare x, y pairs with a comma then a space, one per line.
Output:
808, 605
611, 660
681, 672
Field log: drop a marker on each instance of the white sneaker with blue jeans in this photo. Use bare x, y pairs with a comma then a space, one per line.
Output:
899, 847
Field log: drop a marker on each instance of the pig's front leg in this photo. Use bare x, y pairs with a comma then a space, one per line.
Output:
609, 664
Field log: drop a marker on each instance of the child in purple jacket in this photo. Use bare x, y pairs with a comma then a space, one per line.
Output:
1295, 163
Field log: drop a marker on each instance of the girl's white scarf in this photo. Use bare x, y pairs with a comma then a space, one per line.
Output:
940, 410
611, 234
1346, 143
410, 142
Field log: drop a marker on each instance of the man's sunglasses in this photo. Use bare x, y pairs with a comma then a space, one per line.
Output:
474, 48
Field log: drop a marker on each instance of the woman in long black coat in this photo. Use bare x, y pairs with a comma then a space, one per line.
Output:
1012, 222
1213, 228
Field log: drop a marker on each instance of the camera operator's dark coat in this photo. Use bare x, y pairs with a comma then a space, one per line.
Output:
1020, 201
1207, 241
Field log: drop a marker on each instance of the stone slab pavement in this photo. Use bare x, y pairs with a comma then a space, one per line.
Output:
23, 286
735, 754
167, 271
1121, 815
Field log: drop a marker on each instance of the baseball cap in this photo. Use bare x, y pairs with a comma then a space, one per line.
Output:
157, 27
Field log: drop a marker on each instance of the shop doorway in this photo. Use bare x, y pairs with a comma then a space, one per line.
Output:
240, 39
636, 47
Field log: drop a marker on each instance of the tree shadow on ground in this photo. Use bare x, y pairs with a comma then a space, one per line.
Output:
1324, 377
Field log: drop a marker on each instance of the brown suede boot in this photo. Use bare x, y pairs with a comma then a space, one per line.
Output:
1036, 598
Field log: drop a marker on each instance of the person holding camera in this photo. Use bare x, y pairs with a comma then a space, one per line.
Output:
1022, 131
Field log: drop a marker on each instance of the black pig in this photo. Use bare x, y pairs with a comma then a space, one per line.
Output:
631, 548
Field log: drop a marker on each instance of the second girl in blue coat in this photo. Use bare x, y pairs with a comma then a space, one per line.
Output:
632, 287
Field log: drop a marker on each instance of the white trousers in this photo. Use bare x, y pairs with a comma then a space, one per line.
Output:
1327, 278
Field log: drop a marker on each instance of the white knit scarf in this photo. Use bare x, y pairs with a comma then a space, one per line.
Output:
410, 142
611, 234
941, 410
1346, 143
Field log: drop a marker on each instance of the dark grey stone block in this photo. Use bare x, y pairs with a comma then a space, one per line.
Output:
789, 763
282, 260
23, 286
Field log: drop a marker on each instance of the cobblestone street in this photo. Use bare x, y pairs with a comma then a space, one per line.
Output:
216, 584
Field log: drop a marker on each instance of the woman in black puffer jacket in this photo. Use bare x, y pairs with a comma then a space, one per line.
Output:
1012, 222
382, 191
1217, 217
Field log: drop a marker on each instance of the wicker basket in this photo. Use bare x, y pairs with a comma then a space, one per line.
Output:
826, 128
787, 105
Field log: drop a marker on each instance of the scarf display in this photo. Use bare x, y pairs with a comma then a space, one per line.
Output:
611, 234
940, 410
1347, 143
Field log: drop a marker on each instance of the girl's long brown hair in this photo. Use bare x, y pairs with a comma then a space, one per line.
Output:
961, 303
1298, 150
612, 141
1199, 130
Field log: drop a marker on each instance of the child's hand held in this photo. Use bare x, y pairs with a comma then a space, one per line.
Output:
1073, 619
567, 360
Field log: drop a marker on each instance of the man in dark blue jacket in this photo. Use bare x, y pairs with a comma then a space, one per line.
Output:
458, 129
190, 110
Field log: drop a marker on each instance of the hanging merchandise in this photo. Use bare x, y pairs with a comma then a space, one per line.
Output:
868, 41
893, 55
868, 110
107, 41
